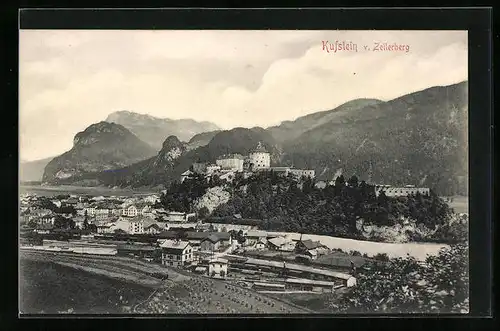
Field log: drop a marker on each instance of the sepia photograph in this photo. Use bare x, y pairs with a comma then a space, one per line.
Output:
220, 172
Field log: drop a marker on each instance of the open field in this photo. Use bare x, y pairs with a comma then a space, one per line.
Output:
182, 292
202, 295
47, 287
417, 250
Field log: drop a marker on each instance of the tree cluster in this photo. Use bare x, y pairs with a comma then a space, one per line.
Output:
284, 204
404, 285
181, 196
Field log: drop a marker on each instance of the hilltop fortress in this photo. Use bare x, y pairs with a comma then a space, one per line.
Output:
227, 166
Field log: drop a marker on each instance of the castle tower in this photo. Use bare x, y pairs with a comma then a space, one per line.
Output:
260, 157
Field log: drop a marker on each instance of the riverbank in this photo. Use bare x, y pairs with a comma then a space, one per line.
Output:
393, 250
81, 190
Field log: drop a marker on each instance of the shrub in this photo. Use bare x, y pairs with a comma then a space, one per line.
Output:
381, 257
355, 253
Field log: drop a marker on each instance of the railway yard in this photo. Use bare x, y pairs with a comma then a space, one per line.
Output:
174, 291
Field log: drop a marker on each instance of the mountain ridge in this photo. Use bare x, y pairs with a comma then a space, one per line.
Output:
100, 146
419, 138
154, 130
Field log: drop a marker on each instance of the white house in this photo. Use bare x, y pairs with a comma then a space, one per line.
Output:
106, 228
46, 219
217, 268
176, 253
261, 243
152, 199
90, 210
131, 225
130, 211
177, 216
350, 282
302, 173
101, 213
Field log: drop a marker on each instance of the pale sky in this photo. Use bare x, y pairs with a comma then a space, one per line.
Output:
70, 79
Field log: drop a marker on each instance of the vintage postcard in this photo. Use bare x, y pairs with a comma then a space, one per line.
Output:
243, 172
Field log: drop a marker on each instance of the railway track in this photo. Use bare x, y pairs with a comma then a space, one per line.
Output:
187, 294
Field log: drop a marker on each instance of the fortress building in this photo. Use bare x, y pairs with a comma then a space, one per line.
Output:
260, 158
391, 191
233, 162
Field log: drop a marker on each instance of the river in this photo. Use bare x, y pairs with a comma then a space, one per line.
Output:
80, 190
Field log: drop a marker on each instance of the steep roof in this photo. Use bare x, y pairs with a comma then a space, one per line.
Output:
213, 238
154, 225
279, 241
260, 149
309, 244
174, 244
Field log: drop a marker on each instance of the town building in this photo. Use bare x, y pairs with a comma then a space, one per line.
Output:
211, 169
310, 248
176, 253
144, 209
260, 244
46, 219
176, 216
152, 199
90, 210
252, 237
101, 213
302, 284
211, 244
217, 268
151, 226
133, 225
232, 162
259, 158
284, 244
130, 211
44, 228
299, 173
106, 228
